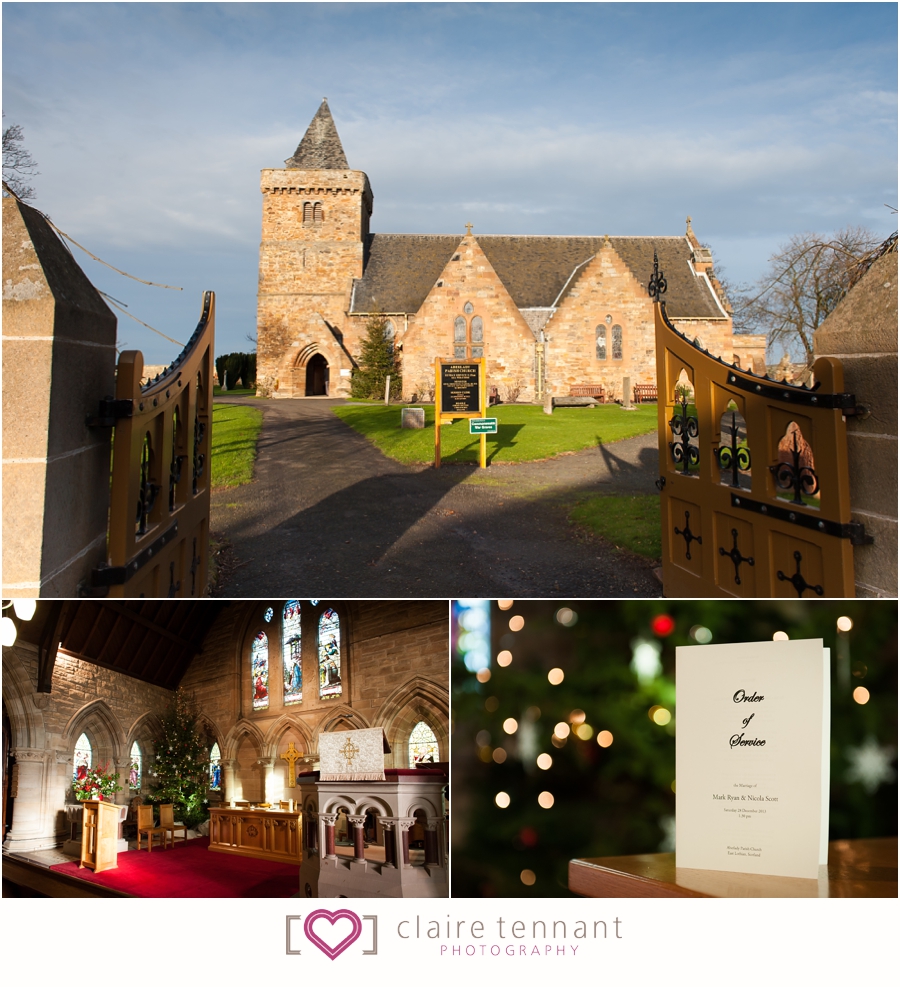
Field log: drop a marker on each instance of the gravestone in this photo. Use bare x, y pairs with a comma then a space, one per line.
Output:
412, 418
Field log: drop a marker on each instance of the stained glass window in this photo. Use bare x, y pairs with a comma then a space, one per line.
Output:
290, 653
84, 755
477, 328
134, 772
423, 745
468, 308
459, 330
259, 671
617, 342
601, 342
215, 769
329, 655
268, 615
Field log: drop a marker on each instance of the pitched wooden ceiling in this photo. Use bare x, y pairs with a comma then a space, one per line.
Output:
151, 640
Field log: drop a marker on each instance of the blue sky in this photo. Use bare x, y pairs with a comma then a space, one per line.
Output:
150, 124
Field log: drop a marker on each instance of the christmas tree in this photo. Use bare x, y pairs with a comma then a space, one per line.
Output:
377, 360
182, 761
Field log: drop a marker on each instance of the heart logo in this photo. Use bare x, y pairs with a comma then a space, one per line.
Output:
332, 952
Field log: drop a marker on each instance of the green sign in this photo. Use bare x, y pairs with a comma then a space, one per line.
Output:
479, 425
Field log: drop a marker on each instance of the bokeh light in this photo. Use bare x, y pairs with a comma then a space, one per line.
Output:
504, 659
502, 800
483, 675
561, 730
492, 704
702, 635
544, 762
861, 695
566, 617
516, 623
533, 713
546, 800
472, 633
662, 625
662, 716
555, 676
505, 604
844, 624
780, 636
527, 877
510, 725
484, 754
558, 742
577, 716
482, 737
605, 738
584, 731
499, 755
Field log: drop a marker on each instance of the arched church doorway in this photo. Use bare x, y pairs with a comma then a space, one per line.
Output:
316, 375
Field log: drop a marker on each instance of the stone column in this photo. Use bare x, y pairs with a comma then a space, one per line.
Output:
432, 854
30, 829
312, 825
59, 349
404, 826
626, 393
359, 843
227, 765
326, 821
268, 778
390, 846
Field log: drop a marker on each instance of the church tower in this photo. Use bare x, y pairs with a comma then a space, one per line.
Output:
315, 221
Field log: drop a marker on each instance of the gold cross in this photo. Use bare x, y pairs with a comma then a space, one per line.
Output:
348, 752
291, 755
468, 229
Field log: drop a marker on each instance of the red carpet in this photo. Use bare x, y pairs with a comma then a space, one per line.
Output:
190, 870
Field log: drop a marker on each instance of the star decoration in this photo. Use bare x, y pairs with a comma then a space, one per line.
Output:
870, 764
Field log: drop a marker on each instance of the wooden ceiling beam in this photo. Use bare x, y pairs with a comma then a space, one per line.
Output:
150, 625
59, 616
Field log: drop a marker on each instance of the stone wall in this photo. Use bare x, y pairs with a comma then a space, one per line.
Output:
862, 333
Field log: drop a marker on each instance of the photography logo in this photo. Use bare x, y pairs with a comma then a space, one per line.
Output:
330, 932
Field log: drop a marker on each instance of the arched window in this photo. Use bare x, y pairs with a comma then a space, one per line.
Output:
468, 336
307, 212
617, 342
215, 769
259, 671
601, 342
135, 773
423, 745
84, 754
291, 653
330, 685
317, 213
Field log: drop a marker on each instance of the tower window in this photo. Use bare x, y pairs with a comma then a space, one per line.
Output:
317, 213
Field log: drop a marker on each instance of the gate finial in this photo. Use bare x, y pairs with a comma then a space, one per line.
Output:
658, 283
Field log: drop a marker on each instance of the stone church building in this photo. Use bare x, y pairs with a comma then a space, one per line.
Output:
548, 313
87, 681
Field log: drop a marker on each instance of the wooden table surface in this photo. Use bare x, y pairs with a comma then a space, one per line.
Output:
856, 869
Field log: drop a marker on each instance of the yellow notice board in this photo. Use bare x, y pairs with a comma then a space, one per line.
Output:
459, 392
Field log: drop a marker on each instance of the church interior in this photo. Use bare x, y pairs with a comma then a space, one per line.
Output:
283, 748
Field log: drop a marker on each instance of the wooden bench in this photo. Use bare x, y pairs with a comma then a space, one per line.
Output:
644, 392
588, 391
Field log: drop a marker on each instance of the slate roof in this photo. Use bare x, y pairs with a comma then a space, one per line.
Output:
536, 270
321, 147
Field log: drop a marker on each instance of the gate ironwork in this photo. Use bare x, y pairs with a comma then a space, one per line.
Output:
159, 498
754, 482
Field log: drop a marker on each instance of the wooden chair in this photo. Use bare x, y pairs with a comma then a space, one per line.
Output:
131, 820
167, 821
146, 825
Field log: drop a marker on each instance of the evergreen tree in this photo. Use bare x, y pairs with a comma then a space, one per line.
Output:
377, 359
182, 761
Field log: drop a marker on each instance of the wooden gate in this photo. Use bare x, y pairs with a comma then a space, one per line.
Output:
159, 514
755, 497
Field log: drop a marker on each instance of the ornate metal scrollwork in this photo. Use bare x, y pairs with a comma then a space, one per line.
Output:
734, 457
658, 283
148, 489
688, 535
736, 557
793, 476
684, 428
797, 580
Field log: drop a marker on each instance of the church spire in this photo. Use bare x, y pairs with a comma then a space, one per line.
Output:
321, 147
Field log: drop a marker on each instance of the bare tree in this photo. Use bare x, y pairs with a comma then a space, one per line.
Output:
18, 164
806, 279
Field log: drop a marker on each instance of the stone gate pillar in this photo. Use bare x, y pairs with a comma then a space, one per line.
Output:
59, 352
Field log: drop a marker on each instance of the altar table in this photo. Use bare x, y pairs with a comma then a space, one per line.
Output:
856, 869
268, 834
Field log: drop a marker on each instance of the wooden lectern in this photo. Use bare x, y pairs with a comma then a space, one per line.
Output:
99, 836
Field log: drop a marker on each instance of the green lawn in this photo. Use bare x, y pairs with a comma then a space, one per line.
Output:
235, 429
630, 522
525, 432
237, 392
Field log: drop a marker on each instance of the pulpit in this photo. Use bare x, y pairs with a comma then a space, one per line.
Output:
99, 835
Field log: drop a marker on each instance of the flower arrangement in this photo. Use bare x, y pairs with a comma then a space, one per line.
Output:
95, 783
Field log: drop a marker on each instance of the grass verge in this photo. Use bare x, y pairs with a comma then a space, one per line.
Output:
630, 522
524, 434
235, 429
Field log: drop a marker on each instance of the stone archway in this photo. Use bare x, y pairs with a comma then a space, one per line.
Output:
317, 376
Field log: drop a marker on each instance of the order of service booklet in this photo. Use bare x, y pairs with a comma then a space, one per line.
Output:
751, 757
